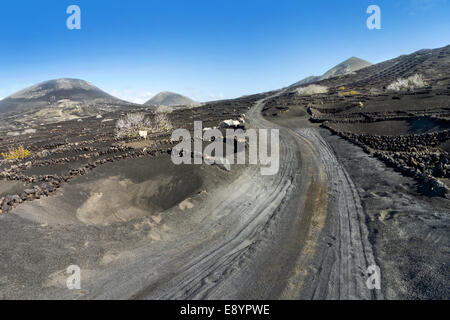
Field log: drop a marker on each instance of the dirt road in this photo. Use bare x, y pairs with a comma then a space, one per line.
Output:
298, 234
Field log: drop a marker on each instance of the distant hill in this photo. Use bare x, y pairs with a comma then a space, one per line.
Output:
169, 99
348, 66
58, 100
54, 92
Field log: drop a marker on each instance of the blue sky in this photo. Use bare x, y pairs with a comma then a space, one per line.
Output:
206, 50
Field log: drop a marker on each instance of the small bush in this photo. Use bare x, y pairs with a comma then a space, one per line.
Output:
412, 82
312, 89
164, 109
16, 153
350, 93
161, 123
130, 125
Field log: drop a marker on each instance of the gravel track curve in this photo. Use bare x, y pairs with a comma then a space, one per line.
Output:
261, 237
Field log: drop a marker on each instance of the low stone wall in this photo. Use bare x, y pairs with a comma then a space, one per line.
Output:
47, 184
411, 155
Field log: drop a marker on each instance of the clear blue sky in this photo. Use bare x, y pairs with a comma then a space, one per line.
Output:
205, 49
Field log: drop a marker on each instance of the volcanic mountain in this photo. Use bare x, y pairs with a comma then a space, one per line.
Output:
52, 92
167, 98
348, 66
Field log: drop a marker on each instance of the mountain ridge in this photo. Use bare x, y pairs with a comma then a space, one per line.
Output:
348, 66
52, 92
